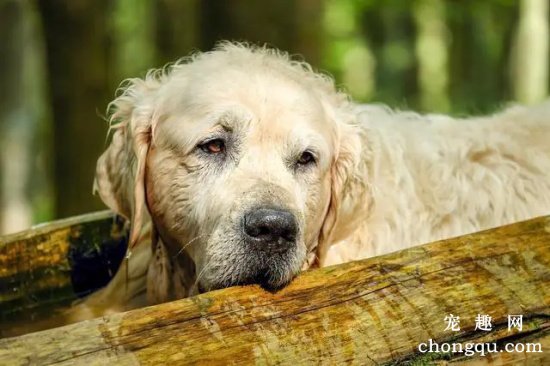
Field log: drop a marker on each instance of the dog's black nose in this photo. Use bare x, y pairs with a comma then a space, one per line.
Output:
270, 226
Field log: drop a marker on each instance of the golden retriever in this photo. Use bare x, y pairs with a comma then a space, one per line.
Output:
241, 166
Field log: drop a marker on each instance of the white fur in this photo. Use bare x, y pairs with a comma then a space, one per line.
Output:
434, 177
386, 180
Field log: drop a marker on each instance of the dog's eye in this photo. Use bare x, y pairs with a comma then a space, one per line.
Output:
306, 158
215, 146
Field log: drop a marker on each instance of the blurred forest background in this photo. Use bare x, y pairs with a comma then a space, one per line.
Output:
62, 60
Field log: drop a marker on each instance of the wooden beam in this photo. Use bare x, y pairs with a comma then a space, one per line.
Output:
50, 265
374, 311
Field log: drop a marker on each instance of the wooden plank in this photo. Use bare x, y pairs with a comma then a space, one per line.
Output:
374, 311
49, 265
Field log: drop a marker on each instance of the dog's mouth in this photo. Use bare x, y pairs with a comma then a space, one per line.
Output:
264, 279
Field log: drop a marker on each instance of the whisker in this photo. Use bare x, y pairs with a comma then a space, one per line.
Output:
187, 244
201, 273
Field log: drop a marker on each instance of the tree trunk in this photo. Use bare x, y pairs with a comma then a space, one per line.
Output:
25, 187
178, 30
432, 55
530, 58
76, 34
375, 311
293, 26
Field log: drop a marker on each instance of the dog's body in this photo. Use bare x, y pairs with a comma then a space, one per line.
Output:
358, 181
433, 177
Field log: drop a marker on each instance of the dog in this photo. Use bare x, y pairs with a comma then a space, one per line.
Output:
243, 166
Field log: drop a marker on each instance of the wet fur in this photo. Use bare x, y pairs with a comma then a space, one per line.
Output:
388, 179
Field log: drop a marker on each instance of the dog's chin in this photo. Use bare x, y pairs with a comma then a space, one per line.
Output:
270, 269
264, 279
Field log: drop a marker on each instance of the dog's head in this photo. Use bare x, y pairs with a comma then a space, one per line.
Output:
239, 156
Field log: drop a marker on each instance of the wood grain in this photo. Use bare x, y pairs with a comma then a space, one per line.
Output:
374, 311
45, 267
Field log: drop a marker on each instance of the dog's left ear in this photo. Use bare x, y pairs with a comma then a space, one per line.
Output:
120, 171
345, 184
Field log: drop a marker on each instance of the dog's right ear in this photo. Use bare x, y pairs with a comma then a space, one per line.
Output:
120, 171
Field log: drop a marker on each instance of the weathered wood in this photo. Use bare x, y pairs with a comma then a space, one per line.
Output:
375, 311
50, 265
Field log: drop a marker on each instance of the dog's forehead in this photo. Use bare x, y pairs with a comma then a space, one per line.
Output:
265, 102
260, 91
